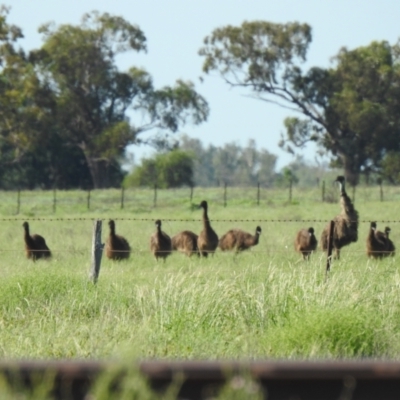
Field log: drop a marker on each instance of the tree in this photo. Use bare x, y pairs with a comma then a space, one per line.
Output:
349, 110
391, 167
230, 163
166, 170
92, 97
203, 168
24, 107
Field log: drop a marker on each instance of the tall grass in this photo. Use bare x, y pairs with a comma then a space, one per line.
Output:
264, 303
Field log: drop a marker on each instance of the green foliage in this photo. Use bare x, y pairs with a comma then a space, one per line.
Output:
64, 106
93, 95
166, 170
350, 110
391, 167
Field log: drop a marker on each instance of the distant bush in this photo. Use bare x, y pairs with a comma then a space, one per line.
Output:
166, 170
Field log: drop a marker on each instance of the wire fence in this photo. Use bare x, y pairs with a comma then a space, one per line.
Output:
31, 202
62, 237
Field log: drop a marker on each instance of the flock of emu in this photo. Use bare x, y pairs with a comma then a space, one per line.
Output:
345, 231
206, 242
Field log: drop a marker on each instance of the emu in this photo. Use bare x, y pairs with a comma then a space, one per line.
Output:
117, 247
346, 223
185, 242
35, 245
160, 243
391, 248
207, 242
376, 242
239, 240
305, 242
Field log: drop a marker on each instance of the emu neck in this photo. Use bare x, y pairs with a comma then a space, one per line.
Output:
256, 238
206, 221
342, 189
26, 234
112, 231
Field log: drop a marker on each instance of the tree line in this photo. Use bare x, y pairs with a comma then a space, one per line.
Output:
191, 163
67, 112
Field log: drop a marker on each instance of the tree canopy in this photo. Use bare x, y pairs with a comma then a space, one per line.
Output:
164, 170
70, 98
349, 110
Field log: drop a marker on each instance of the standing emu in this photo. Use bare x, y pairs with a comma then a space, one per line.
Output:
117, 247
376, 242
207, 241
346, 223
238, 240
305, 242
160, 243
35, 245
185, 242
390, 248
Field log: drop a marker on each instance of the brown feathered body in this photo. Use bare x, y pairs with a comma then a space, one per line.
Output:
185, 242
390, 248
305, 242
346, 223
117, 247
207, 242
239, 240
160, 243
376, 242
35, 245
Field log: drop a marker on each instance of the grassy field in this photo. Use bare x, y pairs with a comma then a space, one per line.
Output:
265, 303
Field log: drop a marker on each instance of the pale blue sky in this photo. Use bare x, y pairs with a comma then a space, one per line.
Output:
175, 30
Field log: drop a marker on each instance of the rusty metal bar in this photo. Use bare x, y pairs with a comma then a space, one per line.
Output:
279, 380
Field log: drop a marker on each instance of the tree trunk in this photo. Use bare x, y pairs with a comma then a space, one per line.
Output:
99, 171
351, 169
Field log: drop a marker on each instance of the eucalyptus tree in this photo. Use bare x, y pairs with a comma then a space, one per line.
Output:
100, 109
26, 109
348, 110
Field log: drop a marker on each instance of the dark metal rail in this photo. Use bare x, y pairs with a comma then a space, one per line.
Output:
279, 380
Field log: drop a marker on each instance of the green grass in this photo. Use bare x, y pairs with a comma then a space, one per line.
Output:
266, 303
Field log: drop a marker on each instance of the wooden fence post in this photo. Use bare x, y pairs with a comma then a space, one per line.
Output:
330, 247
191, 192
225, 186
290, 189
54, 200
18, 200
258, 193
88, 199
380, 188
323, 191
122, 196
155, 196
97, 251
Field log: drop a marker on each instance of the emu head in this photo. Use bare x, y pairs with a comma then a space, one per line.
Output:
373, 225
158, 223
203, 205
387, 231
341, 181
258, 230
311, 231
